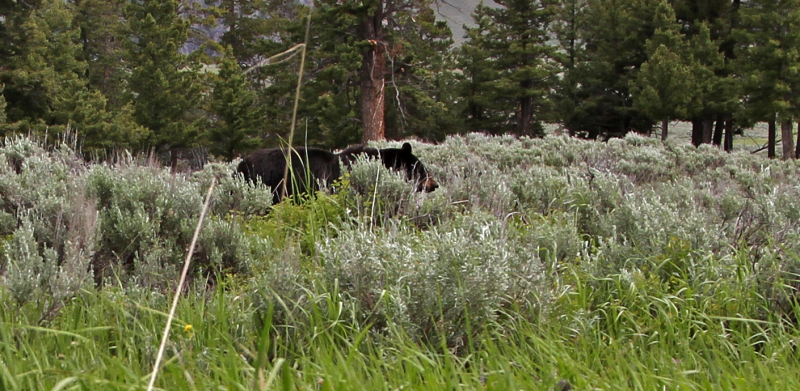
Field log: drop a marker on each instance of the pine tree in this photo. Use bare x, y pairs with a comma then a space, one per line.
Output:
767, 61
40, 70
101, 23
328, 112
375, 30
164, 84
715, 93
707, 24
414, 71
421, 80
667, 31
614, 42
482, 111
256, 27
45, 86
234, 130
663, 86
514, 43
568, 27
100, 128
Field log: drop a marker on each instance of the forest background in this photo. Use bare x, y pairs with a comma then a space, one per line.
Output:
173, 75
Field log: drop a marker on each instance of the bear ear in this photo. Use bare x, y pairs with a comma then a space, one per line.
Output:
406, 148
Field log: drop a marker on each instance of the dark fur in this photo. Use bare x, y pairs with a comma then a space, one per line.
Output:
267, 166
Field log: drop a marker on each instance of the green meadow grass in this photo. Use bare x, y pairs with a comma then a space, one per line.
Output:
107, 341
749, 141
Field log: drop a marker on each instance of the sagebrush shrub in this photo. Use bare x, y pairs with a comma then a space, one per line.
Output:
434, 284
129, 220
511, 213
378, 189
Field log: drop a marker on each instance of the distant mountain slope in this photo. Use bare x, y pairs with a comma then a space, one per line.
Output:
457, 13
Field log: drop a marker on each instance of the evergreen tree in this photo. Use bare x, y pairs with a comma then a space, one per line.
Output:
40, 70
482, 111
328, 112
376, 30
513, 41
568, 27
707, 26
663, 86
101, 128
667, 31
421, 80
369, 20
101, 23
102, 114
164, 84
614, 44
45, 88
234, 130
715, 93
254, 28
415, 75
767, 61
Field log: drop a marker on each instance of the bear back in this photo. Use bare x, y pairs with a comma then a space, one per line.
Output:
312, 166
309, 166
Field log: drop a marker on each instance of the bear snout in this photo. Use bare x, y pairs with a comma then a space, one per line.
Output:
430, 184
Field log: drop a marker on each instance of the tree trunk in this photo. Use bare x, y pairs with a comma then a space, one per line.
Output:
233, 39
708, 128
787, 139
173, 160
697, 132
524, 118
664, 129
771, 140
729, 134
373, 67
718, 130
797, 149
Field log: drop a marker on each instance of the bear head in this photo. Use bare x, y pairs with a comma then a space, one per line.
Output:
402, 159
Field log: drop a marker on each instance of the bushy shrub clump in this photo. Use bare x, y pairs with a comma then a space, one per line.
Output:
66, 221
514, 217
446, 283
614, 207
629, 207
633, 192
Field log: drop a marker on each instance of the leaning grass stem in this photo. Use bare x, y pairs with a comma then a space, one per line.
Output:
296, 104
178, 289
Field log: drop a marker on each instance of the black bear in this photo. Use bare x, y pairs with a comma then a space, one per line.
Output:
267, 166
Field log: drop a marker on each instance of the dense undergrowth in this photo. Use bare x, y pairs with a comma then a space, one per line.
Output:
620, 265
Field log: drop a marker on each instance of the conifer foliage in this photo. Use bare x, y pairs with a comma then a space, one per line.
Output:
164, 83
386, 40
170, 75
508, 66
768, 59
234, 125
663, 86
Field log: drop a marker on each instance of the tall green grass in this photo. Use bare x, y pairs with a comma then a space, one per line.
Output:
647, 337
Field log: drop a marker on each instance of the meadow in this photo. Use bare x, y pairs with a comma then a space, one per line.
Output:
540, 264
